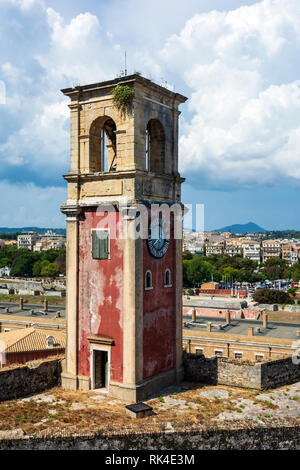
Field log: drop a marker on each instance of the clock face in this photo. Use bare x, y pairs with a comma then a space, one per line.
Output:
157, 243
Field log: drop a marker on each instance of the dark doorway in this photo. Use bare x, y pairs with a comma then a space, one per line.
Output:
100, 369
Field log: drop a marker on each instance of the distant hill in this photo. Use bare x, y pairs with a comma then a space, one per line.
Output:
59, 231
250, 227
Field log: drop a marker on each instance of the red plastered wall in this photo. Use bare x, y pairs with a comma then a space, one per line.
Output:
159, 313
100, 292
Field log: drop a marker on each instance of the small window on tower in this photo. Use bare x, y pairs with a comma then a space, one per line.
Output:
148, 280
100, 244
167, 278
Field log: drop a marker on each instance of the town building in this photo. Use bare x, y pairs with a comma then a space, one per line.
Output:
251, 250
216, 248
28, 344
27, 240
290, 252
124, 296
234, 247
253, 340
270, 249
49, 244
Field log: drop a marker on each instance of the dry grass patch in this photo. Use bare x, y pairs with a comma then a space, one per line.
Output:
64, 413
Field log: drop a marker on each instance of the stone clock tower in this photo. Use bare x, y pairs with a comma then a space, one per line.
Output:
123, 292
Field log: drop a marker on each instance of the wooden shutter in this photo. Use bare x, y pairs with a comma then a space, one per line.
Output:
95, 245
100, 244
104, 244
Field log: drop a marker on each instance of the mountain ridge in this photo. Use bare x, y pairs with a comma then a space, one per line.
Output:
39, 230
250, 227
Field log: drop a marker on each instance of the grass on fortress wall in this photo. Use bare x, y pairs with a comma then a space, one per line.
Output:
284, 316
60, 412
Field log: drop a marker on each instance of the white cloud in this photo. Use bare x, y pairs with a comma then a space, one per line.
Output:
79, 51
242, 69
31, 205
63, 53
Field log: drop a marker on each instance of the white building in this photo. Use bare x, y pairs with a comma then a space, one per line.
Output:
27, 240
251, 250
5, 272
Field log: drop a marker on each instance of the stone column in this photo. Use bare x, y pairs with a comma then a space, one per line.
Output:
227, 316
265, 320
193, 314
132, 304
178, 309
75, 132
69, 378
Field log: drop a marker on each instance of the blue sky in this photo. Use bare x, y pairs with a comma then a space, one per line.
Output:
238, 64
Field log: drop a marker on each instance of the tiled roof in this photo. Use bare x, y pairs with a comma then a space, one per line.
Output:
30, 339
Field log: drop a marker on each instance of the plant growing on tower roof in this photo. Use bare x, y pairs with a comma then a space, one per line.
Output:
122, 98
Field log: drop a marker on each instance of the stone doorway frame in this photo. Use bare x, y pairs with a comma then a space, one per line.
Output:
101, 348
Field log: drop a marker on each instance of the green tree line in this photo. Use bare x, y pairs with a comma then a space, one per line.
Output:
198, 269
25, 263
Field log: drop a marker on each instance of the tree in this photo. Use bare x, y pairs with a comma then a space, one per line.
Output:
272, 296
49, 269
5, 262
187, 255
185, 280
36, 271
275, 268
50, 255
60, 261
293, 291
22, 266
295, 272
198, 271
230, 272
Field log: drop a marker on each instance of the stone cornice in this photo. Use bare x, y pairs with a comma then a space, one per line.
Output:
80, 90
99, 176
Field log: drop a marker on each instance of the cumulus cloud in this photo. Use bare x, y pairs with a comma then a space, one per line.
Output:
243, 71
239, 68
45, 53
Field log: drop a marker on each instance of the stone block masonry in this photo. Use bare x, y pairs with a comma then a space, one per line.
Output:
245, 438
238, 373
34, 377
280, 372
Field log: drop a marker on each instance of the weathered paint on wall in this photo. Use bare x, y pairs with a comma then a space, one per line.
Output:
22, 358
224, 292
159, 314
100, 293
215, 312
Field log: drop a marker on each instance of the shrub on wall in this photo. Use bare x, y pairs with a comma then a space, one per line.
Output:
123, 98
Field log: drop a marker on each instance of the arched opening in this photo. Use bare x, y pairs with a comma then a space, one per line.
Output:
103, 148
167, 278
155, 147
148, 280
